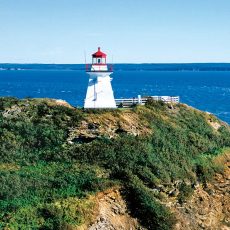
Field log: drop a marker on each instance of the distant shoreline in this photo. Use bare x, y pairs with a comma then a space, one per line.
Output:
179, 67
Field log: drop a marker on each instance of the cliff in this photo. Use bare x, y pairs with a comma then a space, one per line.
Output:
158, 166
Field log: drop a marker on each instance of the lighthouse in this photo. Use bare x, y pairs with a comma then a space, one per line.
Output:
99, 92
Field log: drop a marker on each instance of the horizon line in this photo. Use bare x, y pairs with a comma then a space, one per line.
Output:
118, 63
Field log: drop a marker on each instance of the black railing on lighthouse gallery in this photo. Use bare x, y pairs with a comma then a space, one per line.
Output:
89, 68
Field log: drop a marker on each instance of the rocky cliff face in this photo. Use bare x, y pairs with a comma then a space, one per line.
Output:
157, 166
112, 212
110, 125
209, 206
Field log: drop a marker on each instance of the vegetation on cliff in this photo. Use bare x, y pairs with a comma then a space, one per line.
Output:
54, 158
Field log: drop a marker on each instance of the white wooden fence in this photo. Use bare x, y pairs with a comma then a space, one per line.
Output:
123, 102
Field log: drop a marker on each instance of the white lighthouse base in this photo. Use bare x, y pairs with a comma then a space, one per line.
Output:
99, 93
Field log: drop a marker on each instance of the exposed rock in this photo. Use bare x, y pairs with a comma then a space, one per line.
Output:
216, 125
62, 103
109, 125
208, 208
112, 213
14, 111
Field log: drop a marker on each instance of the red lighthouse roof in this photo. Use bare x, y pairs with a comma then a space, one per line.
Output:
99, 54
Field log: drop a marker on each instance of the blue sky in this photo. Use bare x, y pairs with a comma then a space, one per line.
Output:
130, 31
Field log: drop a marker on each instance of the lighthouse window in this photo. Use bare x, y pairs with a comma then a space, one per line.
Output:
94, 60
99, 61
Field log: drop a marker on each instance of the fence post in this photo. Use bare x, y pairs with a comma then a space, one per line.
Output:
139, 99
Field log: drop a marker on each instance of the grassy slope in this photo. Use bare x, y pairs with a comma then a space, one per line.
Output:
47, 183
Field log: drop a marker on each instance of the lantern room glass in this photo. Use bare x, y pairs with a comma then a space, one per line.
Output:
99, 61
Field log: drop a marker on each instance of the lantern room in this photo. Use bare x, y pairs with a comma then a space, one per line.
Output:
99, 58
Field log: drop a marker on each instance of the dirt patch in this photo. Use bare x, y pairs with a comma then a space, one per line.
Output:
112, 213
215, 125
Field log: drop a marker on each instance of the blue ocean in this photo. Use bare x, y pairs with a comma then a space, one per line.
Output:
206, 87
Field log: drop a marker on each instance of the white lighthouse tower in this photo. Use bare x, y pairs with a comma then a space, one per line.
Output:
99, 93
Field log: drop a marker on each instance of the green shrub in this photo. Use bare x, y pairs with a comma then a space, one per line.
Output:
6, 102
152, 214
41, 186
185, 192
205, 167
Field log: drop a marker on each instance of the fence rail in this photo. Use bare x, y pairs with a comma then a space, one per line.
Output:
123, 102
